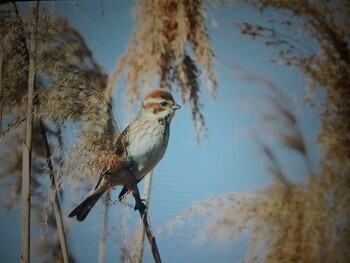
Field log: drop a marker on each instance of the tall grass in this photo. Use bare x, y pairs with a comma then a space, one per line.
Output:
27, 144
290, 222
328, 68
52, 39
1, 82
159, 55
72, 88
285, 222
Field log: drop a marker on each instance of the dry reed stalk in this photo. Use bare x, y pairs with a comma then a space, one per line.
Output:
27, 145
70, 90
141, 235
103, 240
55, 201
147, 229
1, 82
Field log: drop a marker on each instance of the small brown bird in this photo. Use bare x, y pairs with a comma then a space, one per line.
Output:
143, 144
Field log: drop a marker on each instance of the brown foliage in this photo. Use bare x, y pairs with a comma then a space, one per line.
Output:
326, 22
287, 221
69, 87
159, 55
70, 82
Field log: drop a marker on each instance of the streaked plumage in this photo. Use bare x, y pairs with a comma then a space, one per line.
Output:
143, 144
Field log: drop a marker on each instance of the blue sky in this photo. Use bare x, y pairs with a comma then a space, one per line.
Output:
229, 160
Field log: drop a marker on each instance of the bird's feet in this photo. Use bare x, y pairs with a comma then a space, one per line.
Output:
129, 163
139, 205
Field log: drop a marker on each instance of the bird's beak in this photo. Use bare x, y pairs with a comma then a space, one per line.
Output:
176, 106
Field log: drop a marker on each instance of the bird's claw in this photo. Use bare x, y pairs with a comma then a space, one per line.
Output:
129, 163
139, 205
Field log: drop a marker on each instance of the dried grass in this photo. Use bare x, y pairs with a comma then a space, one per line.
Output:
289, 222
286, 222
69, 90
71, 83
93, 149
326, 23
15, 57
159, 54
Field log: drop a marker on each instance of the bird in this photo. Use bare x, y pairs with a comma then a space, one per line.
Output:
142, 145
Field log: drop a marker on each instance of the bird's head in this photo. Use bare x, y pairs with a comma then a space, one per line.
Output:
159, 104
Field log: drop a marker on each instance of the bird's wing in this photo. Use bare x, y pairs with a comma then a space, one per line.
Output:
100, 179
122, 143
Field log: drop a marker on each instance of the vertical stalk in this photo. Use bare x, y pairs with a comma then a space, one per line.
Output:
151, 239
1, 82
102, 246
144, 218
27, 145
141, 237
55, 201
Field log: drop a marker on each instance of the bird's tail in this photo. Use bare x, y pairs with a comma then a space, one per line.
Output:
83, 209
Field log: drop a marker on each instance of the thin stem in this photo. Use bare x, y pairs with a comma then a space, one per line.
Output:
27, 145
141, 237
102, 247
56, 201
1, 84
151, 239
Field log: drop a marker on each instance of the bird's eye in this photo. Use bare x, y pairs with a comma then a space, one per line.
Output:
163, 103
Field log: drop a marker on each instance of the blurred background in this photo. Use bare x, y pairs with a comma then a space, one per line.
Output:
249, 172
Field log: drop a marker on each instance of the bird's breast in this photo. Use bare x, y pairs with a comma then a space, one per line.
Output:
147, 149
